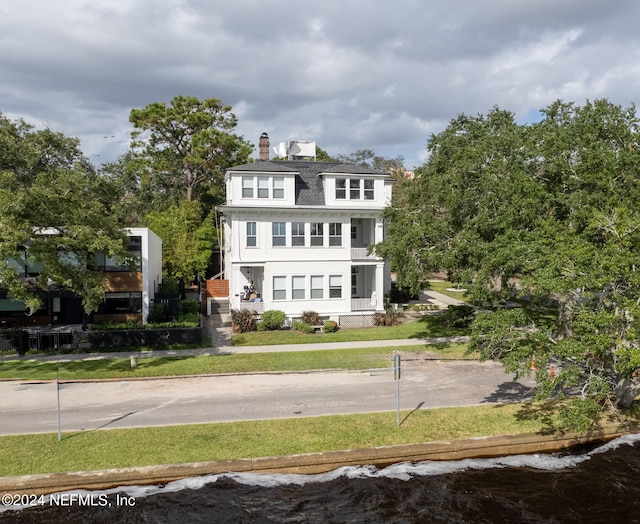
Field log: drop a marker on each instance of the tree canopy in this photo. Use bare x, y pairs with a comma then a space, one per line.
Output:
56, 212
368, 158
188, 240
185, 146
542, 216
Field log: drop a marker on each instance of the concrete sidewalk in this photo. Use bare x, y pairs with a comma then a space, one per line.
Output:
229, 350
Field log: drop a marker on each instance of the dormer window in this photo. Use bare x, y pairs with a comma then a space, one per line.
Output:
354, 189
341, 188
368, 189
263, 187
278, 187
247, 187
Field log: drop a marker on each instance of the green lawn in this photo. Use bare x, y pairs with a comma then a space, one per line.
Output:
90, 450
424, 327
442, 287
360, 358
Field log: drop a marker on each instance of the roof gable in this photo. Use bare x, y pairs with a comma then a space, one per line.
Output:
309, 180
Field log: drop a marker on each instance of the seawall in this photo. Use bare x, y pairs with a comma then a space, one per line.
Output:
312, 463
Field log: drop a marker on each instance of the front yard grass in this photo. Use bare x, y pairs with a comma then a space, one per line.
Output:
351, 358
116, 448
424, 327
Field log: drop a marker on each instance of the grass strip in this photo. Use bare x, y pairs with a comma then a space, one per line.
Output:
100, 449
351, 358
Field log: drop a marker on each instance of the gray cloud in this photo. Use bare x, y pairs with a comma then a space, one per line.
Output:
349, 74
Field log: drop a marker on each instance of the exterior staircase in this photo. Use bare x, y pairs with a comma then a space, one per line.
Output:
216, 296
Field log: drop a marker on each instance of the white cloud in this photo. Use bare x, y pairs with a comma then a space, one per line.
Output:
348, 74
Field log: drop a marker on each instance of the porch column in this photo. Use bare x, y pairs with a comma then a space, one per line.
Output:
378, 234
379, 286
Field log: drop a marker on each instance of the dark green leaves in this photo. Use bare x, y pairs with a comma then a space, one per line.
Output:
545, 216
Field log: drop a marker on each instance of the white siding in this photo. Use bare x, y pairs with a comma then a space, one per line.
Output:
235, 183
258, 265
151, 265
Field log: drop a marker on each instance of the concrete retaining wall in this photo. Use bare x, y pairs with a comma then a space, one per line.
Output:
311, 463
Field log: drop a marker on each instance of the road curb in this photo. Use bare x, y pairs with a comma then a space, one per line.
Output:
313, 463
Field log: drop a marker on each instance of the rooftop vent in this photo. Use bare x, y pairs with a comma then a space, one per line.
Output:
296, 150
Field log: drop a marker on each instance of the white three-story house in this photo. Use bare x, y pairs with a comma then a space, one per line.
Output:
297, 237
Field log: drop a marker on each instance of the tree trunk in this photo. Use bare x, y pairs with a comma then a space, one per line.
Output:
565, 313
626, 391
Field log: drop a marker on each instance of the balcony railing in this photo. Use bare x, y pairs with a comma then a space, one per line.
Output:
257, 307
360, 253
361, 304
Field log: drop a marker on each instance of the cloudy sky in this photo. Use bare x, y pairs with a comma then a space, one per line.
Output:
349, 74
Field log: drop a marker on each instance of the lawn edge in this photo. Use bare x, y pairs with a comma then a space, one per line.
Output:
314, 463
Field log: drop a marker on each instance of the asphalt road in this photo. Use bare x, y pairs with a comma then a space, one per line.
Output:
31, 407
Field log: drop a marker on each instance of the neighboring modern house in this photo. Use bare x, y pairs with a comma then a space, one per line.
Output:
128, 294
297, 237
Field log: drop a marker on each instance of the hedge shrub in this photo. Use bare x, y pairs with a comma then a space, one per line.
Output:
459, 316
303, 327
273, 319
330, 326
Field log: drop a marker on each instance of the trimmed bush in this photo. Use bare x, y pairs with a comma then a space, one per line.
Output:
242, 320
189, 311
310, 317
302, 327
330, 326
170, 285
400, 295
156, 313
273, 319
459, 316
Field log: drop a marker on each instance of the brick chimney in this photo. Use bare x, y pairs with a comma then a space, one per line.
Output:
264, 146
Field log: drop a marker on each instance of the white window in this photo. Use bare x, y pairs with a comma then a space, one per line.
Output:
278, 187
368, 189
354, 281
279, 288
263, 187
297, 233
354, 189
317, 286
298, 287
335, 234
341, 188
252, 238
335, 286
247, 187
279, 233
317, 234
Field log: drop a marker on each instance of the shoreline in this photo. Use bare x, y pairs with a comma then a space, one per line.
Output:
313, 463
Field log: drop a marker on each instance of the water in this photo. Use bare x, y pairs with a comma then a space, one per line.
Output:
601, 485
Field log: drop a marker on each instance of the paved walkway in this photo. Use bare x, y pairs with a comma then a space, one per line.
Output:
228, 350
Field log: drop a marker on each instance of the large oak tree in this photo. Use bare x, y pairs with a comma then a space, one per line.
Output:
55, 213
545, 216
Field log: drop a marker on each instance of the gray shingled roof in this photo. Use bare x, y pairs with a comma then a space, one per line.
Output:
262, 166
309, 190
